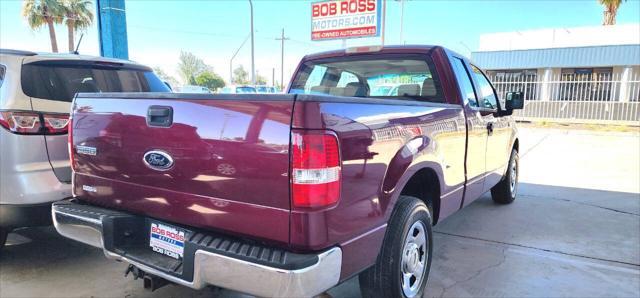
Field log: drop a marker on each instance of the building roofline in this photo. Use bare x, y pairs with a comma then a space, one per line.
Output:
588, 56
559, 48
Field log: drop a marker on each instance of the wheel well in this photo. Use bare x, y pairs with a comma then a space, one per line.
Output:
516, 145
425, 186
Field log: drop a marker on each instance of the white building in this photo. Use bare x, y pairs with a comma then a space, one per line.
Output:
600, 63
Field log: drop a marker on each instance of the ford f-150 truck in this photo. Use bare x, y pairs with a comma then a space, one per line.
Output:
291, 194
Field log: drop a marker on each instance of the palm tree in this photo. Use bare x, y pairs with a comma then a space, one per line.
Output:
610, 11
41, 12
79, 17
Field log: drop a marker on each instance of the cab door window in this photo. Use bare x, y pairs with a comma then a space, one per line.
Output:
465, 83
488, 98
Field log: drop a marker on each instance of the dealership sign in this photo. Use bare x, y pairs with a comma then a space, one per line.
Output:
341, 19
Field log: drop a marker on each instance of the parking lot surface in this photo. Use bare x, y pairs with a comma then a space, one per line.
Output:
573, 231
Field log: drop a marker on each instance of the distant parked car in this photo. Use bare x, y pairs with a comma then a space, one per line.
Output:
238, 89
266, 89
192, 89
35, 98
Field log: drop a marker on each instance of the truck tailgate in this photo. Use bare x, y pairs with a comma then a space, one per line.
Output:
221, 164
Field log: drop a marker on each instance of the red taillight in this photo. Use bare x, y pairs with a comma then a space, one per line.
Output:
56, 123
21, 122
34, 123
70, 144
315, 173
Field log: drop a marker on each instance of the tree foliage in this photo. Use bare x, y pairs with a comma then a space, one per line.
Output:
610, 11
210, 80
165, 77
240, 76
261, 80
79, 17
190, 66
76, 14
44, 12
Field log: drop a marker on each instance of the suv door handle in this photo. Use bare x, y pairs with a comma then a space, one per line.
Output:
490, 128
161, 116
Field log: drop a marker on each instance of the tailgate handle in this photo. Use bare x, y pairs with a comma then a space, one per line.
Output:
161, 116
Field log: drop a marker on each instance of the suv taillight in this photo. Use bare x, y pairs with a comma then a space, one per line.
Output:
315, 173
70, 144
34, 123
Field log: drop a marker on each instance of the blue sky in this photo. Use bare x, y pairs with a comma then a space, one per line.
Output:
213, 30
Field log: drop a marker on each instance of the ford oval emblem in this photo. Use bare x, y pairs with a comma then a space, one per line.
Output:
158, 160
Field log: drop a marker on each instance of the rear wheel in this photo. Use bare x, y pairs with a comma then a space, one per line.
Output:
505, 191
403, 265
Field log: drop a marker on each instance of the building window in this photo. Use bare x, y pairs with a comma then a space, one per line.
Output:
586, 84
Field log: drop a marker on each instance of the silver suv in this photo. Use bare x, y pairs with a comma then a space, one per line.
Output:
35, 97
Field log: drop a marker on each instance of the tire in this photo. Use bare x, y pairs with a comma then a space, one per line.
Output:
402, 254
506, 190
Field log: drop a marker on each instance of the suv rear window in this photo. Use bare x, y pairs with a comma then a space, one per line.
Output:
379, 77
60, 82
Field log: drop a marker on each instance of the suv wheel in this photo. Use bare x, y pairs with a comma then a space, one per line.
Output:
505, 191
403, 265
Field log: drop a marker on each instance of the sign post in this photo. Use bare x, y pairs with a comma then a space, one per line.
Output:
345, 19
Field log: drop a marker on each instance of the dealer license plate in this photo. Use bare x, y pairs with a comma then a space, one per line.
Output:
167, 240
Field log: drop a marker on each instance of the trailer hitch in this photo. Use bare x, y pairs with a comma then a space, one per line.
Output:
149, 282
135, 271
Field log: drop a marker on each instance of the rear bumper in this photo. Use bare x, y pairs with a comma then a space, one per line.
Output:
18, 216
27, 174
209, 259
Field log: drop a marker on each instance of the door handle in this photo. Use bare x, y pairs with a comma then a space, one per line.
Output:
490, 128
160, 116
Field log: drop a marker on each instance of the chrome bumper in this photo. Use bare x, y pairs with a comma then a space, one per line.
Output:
214, 269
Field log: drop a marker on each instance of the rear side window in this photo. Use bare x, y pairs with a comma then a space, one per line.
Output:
61, 82
412, 78
487, 98
464, 82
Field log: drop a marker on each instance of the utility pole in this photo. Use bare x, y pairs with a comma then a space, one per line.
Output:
401, 21
384, 20
273, 76
282, 39
253, 64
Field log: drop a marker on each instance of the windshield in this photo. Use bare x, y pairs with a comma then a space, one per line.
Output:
412, 78
61, 82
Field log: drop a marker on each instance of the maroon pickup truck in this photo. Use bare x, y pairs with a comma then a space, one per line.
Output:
291, 194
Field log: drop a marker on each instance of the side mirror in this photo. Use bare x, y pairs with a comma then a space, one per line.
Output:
515, 101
